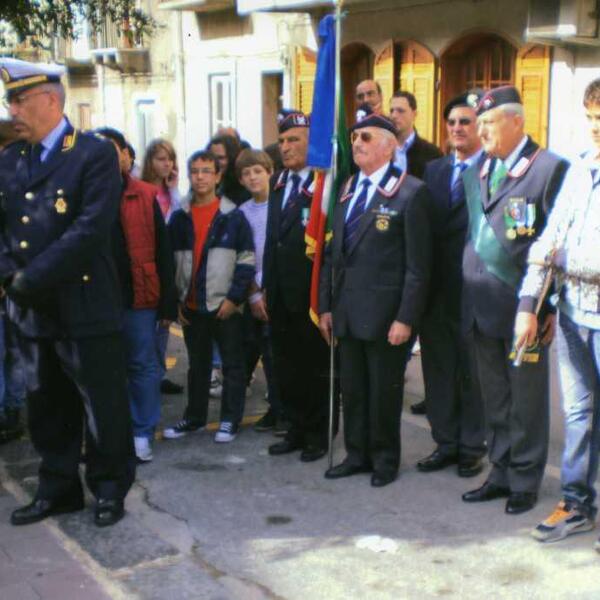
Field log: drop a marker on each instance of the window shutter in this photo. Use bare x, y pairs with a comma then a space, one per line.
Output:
533, 82
417, 75
306, 68
383, 73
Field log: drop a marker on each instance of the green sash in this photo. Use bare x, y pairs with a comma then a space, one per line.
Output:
493, 254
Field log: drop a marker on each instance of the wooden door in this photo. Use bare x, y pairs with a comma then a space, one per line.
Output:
304, 80
417, 75
533, 81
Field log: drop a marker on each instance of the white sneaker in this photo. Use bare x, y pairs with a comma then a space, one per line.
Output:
143, 450
227, 432
216, 384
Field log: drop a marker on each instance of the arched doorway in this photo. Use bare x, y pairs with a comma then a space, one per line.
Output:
356, 64
481, 60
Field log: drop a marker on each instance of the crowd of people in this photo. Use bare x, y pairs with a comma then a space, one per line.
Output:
485, 252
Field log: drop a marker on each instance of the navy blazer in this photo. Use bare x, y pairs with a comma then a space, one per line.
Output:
286, 268
449, 225
55, 231
536, 177
384, 275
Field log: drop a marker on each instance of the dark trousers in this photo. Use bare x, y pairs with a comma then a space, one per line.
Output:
454, 404
516, 403
301, 360
372, 384
204, 328
69, 383
257, 345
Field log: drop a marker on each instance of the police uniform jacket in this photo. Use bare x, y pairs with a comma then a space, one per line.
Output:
449, 224
535, 178
384, 275
286, 268
55, 230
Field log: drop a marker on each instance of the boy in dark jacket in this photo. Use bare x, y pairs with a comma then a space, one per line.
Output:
214, 268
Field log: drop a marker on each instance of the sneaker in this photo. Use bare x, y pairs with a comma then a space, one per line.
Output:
565, 520
180, 429
143, 450
216, 384
266, 422
227, 432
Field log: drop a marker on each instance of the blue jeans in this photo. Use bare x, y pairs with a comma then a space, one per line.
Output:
161, 342
12, 376
143, 370
579, 370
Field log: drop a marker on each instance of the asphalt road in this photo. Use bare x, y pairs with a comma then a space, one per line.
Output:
228, 522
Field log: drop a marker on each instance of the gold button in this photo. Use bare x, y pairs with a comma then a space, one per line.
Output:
29, 196
24, 245
86, 277
60, 192
25, 219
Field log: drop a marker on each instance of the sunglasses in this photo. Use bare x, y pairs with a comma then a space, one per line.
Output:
362, 95
364, 136
464, 121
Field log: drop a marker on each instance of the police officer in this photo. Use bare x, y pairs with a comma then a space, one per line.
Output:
59, 197
509, 198
380, 255
300, 355
454, 407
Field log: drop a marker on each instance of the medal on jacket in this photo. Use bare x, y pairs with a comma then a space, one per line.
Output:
60, 205
515, 218
305, 216
530, 215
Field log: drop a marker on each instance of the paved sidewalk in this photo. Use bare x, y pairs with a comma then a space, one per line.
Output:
34, 564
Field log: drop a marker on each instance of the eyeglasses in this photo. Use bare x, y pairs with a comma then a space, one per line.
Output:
364, 136
464, 121
20, 99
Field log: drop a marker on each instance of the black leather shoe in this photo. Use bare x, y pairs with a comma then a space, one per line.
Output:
108, 512
284, 447
41, 508
419, 408
436, 461
170, 387
383, 478
520, 502
469, 466
345, 469
488, 491
312, 453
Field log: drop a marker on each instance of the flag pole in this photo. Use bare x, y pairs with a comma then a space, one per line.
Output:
334, 173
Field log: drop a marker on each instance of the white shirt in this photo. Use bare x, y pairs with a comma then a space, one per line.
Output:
303, 174
400, 152
50, 140
375, 179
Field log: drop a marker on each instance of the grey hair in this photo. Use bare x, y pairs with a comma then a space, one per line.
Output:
58, 89
513, 108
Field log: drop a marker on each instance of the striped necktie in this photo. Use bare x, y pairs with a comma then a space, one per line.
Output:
357, 211
457, 192
292, 198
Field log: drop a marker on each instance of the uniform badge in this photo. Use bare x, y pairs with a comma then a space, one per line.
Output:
5, 75
382, 223
61, 206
